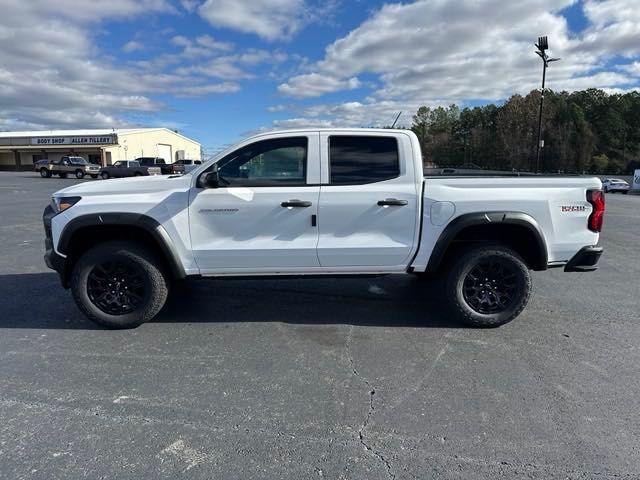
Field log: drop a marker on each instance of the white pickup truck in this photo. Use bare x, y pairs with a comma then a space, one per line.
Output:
320, 202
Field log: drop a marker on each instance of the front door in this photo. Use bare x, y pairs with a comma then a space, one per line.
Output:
368, 211
262, 217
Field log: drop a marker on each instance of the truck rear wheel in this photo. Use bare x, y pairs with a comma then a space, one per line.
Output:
119, 284
44, 173
488, 286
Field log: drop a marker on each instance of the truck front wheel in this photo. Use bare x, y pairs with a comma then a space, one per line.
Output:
488, 286
119, 284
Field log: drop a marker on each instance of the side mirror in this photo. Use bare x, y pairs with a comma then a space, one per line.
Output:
211, 179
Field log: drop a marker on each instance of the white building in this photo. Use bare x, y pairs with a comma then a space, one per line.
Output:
19, 150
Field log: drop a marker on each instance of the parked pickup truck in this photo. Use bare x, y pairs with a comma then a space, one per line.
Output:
189, 165
320, 202
76, 166
156, 162
127, 168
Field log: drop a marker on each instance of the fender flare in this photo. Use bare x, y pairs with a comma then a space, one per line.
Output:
488, 218
124, 219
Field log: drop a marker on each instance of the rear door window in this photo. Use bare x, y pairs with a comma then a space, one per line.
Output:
356, 160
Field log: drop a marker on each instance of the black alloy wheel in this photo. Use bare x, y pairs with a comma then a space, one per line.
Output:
491, 286
117, 287
487, 285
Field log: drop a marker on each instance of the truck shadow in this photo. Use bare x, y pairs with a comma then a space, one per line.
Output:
37, 300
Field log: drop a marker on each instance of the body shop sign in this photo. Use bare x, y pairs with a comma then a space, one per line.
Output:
77, 140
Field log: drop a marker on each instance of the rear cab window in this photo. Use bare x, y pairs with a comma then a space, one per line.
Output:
358, 160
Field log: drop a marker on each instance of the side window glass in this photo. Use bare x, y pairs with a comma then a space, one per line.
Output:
358, 160
275, 162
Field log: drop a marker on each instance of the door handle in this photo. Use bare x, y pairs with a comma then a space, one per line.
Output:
296, 203
392, 202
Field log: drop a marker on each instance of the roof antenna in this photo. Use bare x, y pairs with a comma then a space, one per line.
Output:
394, 122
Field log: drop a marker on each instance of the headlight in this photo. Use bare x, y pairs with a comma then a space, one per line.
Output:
60, 204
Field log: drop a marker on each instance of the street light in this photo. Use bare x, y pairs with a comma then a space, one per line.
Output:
542, 46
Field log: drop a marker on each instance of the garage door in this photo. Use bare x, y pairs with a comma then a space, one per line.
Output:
164, 151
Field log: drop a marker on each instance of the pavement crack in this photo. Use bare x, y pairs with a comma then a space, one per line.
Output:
372, 407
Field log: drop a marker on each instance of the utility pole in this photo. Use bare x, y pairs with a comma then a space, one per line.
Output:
542, 47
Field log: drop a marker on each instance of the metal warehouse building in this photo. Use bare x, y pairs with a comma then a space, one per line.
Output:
19, 150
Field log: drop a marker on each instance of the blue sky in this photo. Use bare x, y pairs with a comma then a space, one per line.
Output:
219, 69
218, 119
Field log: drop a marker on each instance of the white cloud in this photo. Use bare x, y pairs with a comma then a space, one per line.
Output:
232, 67
189, 5
632, 68
302, 123
269, 19
132, 46
202, 46
438, 51
59, 78
199, 90
314, 84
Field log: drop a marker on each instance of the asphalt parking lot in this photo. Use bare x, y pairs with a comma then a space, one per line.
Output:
296, 379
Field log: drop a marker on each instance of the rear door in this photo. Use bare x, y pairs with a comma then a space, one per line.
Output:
262, 217
368, 211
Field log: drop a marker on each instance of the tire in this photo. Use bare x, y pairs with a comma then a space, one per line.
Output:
476, 300
605, 190
94, 176
105, 175
134, 269
79, 174
44, 173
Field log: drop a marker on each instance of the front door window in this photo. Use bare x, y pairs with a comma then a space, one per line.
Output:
277, 162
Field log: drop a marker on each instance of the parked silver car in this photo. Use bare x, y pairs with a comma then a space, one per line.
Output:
615, 185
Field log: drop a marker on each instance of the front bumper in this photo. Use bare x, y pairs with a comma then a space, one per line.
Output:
51, 258
586, 260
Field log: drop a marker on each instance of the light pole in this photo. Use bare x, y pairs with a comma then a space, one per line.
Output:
542, 47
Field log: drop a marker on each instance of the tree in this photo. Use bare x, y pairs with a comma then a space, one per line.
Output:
588, 130
599, 163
